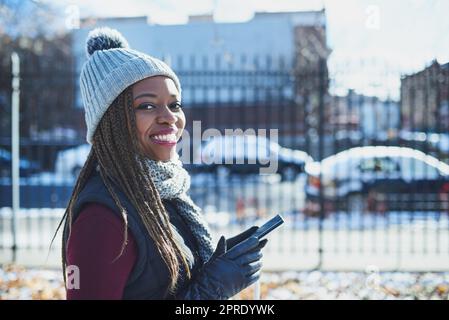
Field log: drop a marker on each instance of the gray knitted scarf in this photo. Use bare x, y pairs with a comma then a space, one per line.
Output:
172, 182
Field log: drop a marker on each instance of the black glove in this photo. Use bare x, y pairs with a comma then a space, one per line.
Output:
227, 272
231, 242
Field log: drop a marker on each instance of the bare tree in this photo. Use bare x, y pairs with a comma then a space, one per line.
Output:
47, 72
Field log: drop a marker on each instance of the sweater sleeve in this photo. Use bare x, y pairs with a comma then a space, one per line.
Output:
95, 241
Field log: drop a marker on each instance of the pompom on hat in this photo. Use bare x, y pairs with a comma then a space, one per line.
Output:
111, 67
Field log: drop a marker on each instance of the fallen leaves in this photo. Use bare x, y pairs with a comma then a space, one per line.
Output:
17, 282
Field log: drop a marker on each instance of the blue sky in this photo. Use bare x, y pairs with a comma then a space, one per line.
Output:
373, 42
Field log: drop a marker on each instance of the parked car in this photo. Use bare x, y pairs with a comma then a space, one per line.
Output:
378, 179
70, 161
26, 167
248, 154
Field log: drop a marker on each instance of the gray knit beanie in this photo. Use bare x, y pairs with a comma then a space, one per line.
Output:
110, 68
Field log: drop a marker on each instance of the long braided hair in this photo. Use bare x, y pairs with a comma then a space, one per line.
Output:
114, 148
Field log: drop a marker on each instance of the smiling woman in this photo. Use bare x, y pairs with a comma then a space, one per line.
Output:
130, 227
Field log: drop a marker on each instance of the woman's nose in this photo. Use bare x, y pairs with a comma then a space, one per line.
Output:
165, 115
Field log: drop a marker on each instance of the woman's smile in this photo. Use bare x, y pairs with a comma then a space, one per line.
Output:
165, 137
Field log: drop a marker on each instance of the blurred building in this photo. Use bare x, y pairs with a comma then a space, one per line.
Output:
364, 117
268, 72
425, 99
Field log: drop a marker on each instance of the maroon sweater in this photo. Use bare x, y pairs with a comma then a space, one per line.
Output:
95, 241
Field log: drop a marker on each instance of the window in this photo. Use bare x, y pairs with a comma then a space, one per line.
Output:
379, 165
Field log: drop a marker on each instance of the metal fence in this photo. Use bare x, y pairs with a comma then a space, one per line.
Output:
374, 192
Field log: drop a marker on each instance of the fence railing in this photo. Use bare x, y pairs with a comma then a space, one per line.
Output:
360, 180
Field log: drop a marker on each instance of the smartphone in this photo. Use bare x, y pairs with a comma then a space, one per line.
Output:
269, 226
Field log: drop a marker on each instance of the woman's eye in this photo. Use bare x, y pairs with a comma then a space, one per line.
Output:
146, 106
176, 106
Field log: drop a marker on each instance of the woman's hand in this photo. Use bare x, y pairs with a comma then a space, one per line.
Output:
228, 271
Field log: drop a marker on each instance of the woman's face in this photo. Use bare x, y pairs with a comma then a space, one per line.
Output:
159, 117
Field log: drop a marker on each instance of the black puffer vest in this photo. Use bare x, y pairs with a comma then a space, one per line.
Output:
149, 278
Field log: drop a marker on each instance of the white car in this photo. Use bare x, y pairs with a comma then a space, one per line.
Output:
406, 178
247, 154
